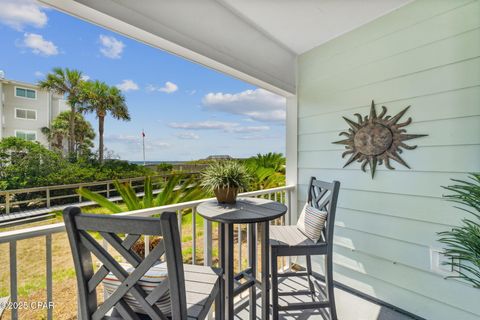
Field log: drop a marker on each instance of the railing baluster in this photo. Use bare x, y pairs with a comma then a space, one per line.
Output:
13, 278
207, 242
48, 251
194, 235
147, 244
239, 230
179, 217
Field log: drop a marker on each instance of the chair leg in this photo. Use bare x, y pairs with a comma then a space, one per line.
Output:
218, 303
309, 276
329, 285
274, 272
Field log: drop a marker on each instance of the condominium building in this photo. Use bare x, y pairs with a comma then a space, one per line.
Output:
25, 109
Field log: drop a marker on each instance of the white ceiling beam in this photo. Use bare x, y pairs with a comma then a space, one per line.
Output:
264, 63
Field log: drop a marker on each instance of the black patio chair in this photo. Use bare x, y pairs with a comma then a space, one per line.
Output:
192, 289
290, 241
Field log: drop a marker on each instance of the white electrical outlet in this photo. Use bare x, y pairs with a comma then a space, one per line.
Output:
437, 263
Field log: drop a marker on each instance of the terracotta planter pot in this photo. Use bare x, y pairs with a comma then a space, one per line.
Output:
226, 195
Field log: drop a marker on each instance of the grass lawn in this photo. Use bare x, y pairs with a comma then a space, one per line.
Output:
31, 266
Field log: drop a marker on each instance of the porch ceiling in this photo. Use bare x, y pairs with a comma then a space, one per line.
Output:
256, 41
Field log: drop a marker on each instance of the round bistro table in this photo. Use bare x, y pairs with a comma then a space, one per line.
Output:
249, 211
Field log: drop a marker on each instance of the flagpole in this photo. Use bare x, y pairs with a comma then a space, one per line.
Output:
143, 143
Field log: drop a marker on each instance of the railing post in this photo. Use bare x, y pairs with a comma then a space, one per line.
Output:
108, 189
48, 250
48, 197
207, 245
13, 278
7, 203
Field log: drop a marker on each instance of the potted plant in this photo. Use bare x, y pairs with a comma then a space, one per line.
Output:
226, 179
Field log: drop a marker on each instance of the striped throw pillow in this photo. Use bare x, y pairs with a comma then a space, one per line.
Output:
148, 283
311, 222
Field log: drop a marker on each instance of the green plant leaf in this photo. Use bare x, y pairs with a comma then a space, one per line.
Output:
99, 199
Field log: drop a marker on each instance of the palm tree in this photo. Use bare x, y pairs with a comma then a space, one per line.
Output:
59, 129
66, 82
101, 99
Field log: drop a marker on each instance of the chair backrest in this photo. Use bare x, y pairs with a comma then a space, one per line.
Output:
323, 196
122, 232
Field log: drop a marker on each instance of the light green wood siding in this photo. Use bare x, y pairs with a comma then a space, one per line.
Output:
427, 55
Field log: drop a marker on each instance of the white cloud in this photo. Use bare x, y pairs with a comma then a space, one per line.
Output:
186, 135
169, 87
259, 104
135, 142
85, 77
18, 14
233, 127
258, 137
39, 74
39, 45
111, 47
251, 129
127, 85
204, 125
191, 92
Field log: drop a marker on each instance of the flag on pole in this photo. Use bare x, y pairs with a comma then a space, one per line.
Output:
143, 145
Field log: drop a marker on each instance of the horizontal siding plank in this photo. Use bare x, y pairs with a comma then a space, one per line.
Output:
424, 306
395, 182
446, 105
433, 210
450, 292
400, 45
414, 256
455, 158
409, 231
384, 27
449, 77
451, 50
447, 132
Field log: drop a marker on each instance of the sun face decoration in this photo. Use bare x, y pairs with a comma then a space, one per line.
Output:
377, 139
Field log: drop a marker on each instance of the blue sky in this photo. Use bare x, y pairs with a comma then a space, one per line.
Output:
187, 111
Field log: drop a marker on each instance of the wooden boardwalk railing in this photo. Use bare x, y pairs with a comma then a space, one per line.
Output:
45, 197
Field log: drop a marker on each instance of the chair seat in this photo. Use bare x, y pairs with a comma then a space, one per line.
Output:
201, 284
289, 236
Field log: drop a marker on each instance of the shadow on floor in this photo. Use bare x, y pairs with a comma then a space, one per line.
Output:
349, 306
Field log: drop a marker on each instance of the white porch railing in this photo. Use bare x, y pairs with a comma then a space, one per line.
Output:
281, 194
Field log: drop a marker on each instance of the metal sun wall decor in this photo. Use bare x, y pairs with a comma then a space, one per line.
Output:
376, 139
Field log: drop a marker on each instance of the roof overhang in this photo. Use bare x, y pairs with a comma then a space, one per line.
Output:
255, 41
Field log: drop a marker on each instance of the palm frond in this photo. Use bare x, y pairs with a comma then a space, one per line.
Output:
100, 200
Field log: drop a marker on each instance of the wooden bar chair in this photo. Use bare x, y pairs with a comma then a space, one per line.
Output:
290, 241
192, 289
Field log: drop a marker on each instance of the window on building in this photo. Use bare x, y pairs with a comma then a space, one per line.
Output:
25, 93
26, 114
26, 135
